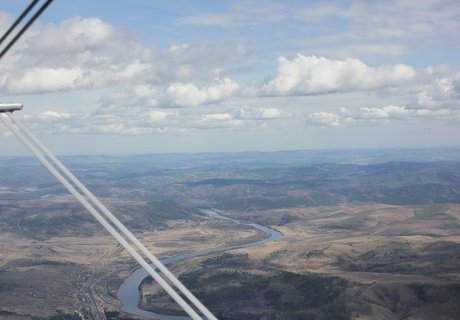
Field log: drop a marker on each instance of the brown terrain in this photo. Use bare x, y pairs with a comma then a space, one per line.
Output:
79, 275
377, 241
399, 262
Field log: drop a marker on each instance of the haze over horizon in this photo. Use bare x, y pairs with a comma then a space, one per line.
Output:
148, 76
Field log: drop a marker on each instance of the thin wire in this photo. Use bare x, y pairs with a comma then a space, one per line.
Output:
25, 27
115, 221
18, 20
6, 118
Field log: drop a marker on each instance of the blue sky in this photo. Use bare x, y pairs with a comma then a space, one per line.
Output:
193, 76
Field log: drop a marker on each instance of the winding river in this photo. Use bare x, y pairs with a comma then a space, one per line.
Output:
128, 293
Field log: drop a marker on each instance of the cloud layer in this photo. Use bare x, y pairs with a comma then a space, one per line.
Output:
229, 86
383, 115
88, 53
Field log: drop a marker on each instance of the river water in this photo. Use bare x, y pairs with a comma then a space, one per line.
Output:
128, 293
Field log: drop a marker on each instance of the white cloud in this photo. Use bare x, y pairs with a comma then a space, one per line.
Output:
344, 110
189, 95
441, 92
309, 75
36, 80
50, 114
147, 121
375, 23
324, 119
341, 29
47, 79
377, 115
89, 53
135, 96
157, 116
144, 91
110, 128
217, 121
263, 114
385, 112
217, 117
270, 113
139, 82
78, 53
74, 35
53, 122
439, 113
5, 21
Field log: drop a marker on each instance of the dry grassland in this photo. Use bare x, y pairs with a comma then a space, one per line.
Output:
62, 273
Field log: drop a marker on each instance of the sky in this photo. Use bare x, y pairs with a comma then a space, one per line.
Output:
148, 76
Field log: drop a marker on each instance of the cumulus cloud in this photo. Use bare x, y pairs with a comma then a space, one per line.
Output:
45, 79
137, 123
135, 96
404, 113
309, 75
263, 114
189, 95
385, 112
247, 118
377, 115
326, 119
89, 53
157, 116
219, 121
146, 121
441, 92
75, 35
78, 53
50, 114
36, 80
438, 113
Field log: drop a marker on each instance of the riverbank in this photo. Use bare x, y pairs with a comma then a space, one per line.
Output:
128, 293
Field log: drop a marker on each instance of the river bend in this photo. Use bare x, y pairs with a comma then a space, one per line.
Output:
128, 293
